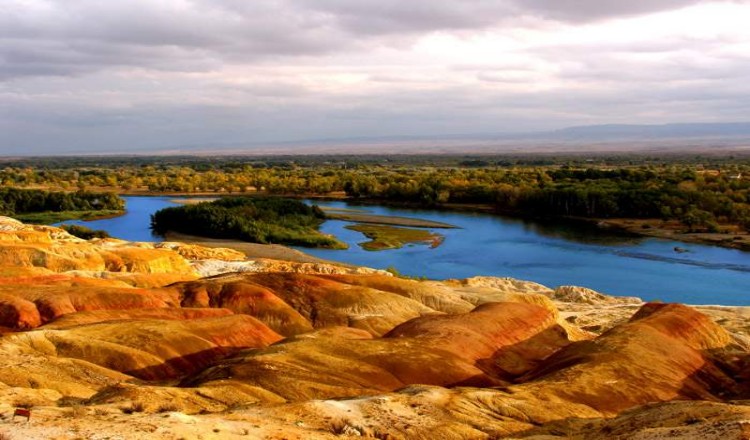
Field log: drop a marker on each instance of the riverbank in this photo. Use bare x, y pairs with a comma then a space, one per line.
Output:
251, 250
193, 200
390, 220
674, 231
553, 252
348, 215
655, 228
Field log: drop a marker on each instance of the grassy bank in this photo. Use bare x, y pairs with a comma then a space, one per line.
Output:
252, 250
676, 231
356, 217
384, 237
49, 217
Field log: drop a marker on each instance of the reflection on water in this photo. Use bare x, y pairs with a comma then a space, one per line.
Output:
706, 264
552, 254
581, 232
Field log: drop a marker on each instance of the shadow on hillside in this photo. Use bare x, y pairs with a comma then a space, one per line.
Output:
181, 366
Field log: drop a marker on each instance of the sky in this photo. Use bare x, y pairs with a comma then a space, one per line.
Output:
116, 76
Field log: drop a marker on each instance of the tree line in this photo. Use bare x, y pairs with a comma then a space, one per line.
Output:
22, 201
701, 196
257, 220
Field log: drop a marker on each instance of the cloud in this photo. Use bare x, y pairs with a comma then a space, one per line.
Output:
69, 38
48, 37
89, 74
591, 10
415, 16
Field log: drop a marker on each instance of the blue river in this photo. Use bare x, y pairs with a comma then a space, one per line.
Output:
549, 254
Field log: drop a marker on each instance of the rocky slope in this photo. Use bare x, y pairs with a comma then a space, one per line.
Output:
113, 339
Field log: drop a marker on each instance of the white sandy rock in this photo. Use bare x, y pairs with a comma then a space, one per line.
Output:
208, 268
575, 294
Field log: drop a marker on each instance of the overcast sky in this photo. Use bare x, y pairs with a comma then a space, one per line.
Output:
135, 75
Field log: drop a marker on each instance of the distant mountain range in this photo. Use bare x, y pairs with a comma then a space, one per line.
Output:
694, 138
613, 138
625, 131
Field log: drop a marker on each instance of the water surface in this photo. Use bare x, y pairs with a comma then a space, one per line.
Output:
550, 254
135, 225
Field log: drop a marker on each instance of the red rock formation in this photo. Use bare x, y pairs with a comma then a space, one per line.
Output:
172, 314
52, 302
293, 303
663, 353
483, 357
506, 339
325, 302
18, 313
153, 349
244, 297
465, 349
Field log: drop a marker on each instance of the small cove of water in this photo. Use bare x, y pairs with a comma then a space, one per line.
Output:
553, 255
135, 225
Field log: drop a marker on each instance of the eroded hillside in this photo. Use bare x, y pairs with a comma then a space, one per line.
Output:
107, 339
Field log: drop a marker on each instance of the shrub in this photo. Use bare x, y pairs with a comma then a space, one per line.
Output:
257, 220
133, 408
84, 232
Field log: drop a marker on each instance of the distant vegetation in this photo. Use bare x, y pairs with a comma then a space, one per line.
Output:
84, 232
38, 206
700, 199
257, 220
702, 193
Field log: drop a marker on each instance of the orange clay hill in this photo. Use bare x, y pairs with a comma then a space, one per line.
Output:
114, 339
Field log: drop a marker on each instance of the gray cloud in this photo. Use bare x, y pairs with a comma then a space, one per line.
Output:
74, 37
670, 61
68, 38
398, 16
588, 10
